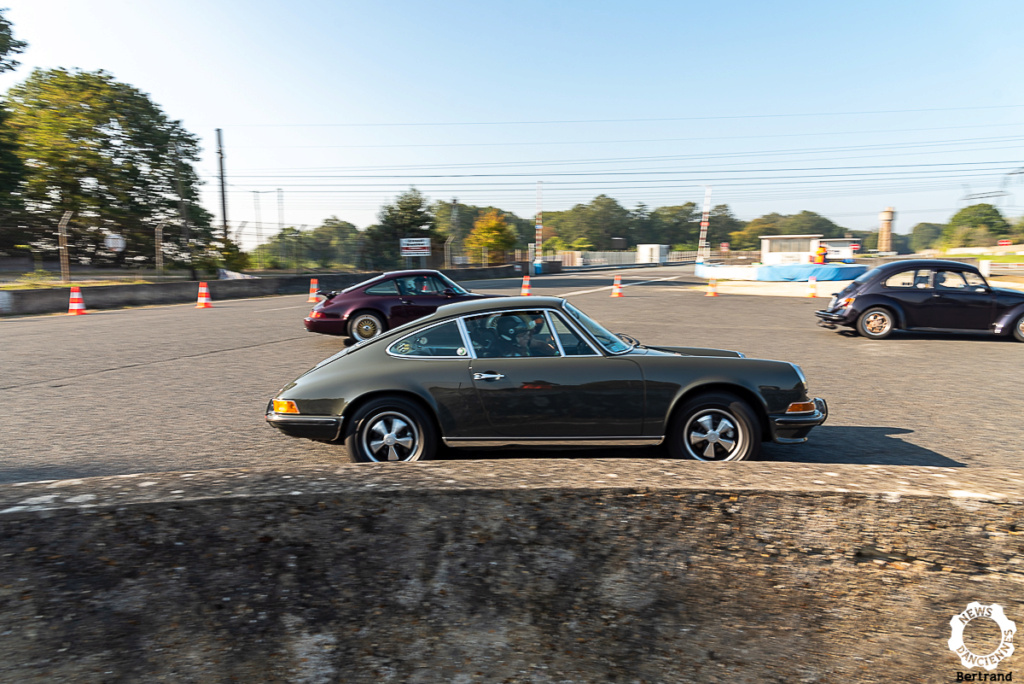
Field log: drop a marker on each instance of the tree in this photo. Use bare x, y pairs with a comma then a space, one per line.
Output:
408, 217
676, 225
925, 236
333, 243
749, 238
493, 234
9, 45
978, 225
105, 151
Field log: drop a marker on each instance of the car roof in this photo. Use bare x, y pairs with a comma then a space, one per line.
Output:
496, 304
388, 275
924, 263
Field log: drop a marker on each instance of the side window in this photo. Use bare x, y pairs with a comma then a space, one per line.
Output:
434, 286
975, 281
901, 279
950, 280
511, 334
388, 287
572, 343
441, 340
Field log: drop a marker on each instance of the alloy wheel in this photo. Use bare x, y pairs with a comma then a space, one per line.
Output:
390, 436
712, 435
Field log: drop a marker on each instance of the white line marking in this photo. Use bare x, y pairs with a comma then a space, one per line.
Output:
579, 292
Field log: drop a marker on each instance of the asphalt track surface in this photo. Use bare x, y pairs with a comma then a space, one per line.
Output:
175, 388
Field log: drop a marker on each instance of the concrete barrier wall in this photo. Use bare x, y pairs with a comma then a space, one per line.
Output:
26, 302
507, 571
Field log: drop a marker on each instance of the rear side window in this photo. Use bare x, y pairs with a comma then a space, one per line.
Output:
442, 340
901, 279
385, 288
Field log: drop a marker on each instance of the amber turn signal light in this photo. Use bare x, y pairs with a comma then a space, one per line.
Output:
801, 407
282, 406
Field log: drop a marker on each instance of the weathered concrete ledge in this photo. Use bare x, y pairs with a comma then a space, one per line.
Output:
55, 300
507, 571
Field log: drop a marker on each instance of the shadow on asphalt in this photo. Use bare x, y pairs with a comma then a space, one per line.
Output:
827, 444
864, 445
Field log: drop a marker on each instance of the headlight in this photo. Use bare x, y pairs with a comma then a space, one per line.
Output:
284, 406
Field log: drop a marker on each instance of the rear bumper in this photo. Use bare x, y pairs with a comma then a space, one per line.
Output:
828, 319
793, 429
327, 326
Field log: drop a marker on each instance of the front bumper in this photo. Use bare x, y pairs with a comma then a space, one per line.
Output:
320, 428
793, 429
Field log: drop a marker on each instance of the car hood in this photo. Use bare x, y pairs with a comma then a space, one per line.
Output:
1005, 291
694, 351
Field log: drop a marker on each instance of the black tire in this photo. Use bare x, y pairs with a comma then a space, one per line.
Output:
1018, 329
876, 323
390, 429
365, 325
715, 427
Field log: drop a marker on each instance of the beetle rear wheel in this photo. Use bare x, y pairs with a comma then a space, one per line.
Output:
876, 323
1018, 329
715, 427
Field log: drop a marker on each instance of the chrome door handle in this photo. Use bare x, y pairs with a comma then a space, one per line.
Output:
487, 376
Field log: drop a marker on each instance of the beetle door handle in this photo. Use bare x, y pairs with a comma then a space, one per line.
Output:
488, 376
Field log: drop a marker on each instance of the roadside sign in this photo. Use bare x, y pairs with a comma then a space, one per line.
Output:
855, 247
114, 242
1004, 243
723, 247
414, 246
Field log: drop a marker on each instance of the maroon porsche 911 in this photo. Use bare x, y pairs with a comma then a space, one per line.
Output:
367, 309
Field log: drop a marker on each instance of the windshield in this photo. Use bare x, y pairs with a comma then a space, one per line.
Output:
458, 289
610, 342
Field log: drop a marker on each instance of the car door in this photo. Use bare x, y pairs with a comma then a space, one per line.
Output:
958, 304
912, 290
575, 393
418, 297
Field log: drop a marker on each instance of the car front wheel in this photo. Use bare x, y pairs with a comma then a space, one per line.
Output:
365, 326
876, 324
715, 427
390, 429
1018, 329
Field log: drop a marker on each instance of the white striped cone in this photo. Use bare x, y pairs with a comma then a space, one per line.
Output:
812, 286
204, 297
712, 288
76, 307
313, 287
617, 287
525, 291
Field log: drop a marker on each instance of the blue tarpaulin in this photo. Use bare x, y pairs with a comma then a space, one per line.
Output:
805, 271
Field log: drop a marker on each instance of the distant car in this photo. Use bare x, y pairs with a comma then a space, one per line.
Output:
537, 371
929, 295
367, 309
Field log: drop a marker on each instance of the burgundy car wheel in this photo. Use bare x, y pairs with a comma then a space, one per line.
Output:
365, 326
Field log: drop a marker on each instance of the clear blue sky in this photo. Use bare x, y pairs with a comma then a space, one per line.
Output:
839, 108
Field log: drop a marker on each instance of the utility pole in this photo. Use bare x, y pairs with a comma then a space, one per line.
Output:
538, 260
259, 228
705, 221
62, 238
455, 232
280, 210
159, 248
223, 191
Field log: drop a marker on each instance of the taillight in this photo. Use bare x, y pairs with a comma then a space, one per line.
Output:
315, 314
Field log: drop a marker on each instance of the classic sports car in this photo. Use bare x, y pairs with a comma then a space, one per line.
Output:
930, 295
538, 371
369, 308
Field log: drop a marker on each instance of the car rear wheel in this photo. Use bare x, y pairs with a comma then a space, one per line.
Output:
876, 324
365, 326
390, 429
1018, 329
715, 427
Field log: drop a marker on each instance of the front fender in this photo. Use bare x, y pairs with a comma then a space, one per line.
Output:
1006, 320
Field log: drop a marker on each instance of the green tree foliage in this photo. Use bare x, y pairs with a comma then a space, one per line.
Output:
978, 225
804, 223
597, 222
107, 152
9, 45
334, 243
409, 217
925, 236
493, 234
675, 225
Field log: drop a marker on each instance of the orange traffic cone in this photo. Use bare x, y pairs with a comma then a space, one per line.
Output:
314, 285
712, 288
76, 307
812, 286
617, 287
525, 292
204, 297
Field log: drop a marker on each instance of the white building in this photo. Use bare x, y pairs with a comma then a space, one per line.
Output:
788, 249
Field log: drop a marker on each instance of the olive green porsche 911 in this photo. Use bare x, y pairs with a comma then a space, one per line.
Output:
538, 371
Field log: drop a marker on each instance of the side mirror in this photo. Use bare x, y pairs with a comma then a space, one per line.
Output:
448, 292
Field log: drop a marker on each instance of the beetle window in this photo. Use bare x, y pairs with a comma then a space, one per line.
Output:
386, 288
571, 342
975, 281
901, 279
950, 280
441, 340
